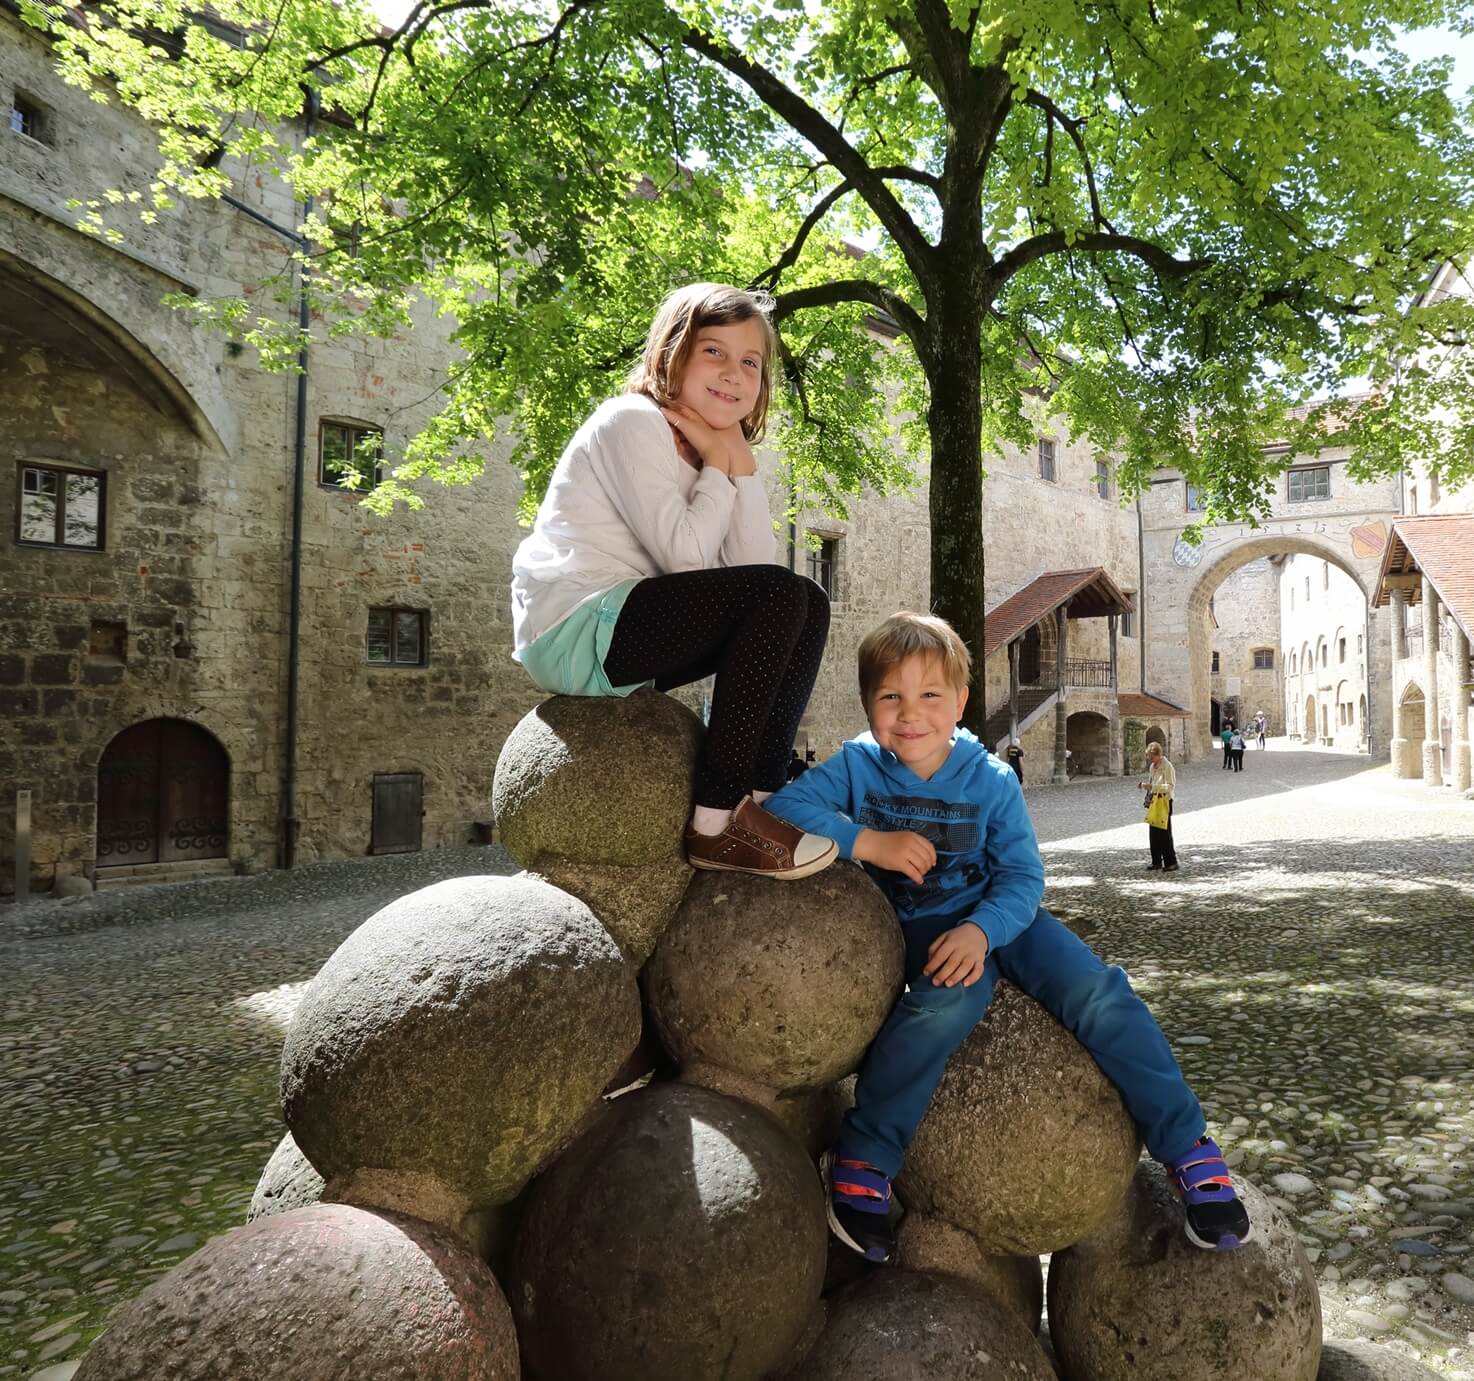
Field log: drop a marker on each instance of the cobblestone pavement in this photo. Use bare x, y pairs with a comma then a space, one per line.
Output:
1313, 964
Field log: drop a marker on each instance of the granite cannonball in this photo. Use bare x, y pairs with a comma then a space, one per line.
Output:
1136, 1300
1359, 1361
785, 984
928, 1243
289, 1181
597, 780
901, 1325
1026, 1143
682, 1238
453, 1041
635, 903
329, 1292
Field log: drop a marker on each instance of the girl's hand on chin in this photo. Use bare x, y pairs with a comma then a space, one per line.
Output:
726, 451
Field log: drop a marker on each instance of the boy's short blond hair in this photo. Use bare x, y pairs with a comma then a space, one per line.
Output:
909, 634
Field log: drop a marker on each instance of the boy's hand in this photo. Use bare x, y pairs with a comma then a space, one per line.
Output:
957, 956
897, 851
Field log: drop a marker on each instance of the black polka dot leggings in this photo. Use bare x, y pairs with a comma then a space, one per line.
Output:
761, 630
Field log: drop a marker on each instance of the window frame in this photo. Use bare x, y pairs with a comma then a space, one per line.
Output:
30, 113
1303, 472
821, 558
1053, 459
357, 431
1194, 500
52, 468
1126, 628
1102, 479
394, 611
1263, 659
1215, 667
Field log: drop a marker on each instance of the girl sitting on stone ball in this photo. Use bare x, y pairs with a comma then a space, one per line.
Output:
941, 825
651, 562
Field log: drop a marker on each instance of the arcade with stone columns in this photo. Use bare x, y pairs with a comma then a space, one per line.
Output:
1426, 581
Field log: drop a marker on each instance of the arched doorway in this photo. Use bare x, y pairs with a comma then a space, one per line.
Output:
1413, 716
1310, 720
163, 795
1155, 735
1088, 738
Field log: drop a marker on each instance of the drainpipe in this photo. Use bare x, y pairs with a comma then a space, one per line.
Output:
287, 820
1140, 599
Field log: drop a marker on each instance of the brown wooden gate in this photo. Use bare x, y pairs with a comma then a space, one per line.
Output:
163, 794
398, 812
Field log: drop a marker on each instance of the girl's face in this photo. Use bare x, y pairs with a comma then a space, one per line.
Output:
723, 373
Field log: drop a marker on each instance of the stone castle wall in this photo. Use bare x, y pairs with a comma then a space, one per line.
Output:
1323, 637
1246, 609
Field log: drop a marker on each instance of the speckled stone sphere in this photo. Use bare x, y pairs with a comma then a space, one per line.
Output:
682, 1238
452, 1042
636, 903
928, 1243
1136, 1301
1026, 1143
330, 1293
901, 1325
597, 780
783, 983
289, 1181
1369, 1362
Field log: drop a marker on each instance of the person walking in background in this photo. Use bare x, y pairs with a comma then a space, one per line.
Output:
1161, 781
1016, 761
1227, 737
1260, 727
1236, 749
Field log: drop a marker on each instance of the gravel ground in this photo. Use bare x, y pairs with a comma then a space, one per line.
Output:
1313, 964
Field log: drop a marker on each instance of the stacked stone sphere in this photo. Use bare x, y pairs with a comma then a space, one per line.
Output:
454, 1089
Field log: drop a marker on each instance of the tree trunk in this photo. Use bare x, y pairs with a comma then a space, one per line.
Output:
954, 419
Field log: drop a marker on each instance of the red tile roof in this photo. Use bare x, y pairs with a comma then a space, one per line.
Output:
1138, 705
1090, 593
1441, 547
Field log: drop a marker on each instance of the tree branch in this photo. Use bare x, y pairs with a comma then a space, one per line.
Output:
1072, 126
1055, 242
769, 276
854, 290
813, 126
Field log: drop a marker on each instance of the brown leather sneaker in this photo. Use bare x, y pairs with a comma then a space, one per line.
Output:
756, 842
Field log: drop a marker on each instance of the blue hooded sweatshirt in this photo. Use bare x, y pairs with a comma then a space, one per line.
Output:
988, 870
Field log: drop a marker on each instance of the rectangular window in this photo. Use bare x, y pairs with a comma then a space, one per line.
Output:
1325, 575
60, 507
1102, 479
348, 456
1311, 482
1263, 659
823, 561
1215, 663
1197, 501
25, 118
1128, 619
397, 638
1341, 650
1433, 490
1046, 459
1292, 600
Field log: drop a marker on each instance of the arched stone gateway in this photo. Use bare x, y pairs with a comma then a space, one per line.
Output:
163, 795
1178, 628
1088, 737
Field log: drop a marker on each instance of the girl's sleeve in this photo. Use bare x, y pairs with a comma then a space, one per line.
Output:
750, 538
634, 457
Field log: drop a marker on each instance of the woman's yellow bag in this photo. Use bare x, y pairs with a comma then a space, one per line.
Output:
1159, 812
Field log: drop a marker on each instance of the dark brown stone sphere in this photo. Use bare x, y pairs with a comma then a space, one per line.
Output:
330, 1293
1026, 1143
288, 1181
452, 1042
927, 1243
783, 983
901, 1325
682, 1238
597, 780
1136, 1301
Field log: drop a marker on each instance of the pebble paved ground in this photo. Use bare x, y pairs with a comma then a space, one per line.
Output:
1313, 964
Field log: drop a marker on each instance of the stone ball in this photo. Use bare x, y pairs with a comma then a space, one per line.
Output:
329, 1292
1026, 1143
783, 983
1368, 1362
289, 1181
683, 1237
1137, 1300
635, 903
901, 1325
928, 1243
597, 779
453, 1040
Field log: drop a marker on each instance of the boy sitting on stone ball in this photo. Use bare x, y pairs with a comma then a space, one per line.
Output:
941, 825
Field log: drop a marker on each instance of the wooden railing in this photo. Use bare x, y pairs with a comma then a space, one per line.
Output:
1080, 671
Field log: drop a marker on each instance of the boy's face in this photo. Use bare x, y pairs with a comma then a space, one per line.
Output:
913, 710
723, 373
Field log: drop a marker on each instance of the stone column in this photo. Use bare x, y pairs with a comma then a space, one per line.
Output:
1013, 690
1061, 710
1402, 757
1461, 765
1117, 765
1432, 748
